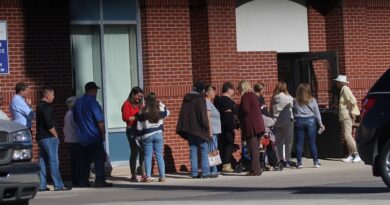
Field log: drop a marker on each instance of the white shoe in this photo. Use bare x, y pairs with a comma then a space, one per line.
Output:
356, 159
348, 159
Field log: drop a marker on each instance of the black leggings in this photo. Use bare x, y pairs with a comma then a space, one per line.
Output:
135, 151
225, 145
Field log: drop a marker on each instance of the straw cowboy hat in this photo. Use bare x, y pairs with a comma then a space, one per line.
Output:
342, 78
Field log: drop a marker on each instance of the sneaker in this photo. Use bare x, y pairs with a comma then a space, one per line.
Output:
213, 176
299, 166
227, 168
317, 165
162, 180
44, 189
356, 159
348, 159
196, 177
205, 176
99, 184
62, 189
134, 179
147, 180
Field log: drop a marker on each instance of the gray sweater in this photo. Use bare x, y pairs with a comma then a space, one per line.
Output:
305, 111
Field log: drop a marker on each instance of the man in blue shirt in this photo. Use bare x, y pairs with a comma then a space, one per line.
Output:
20, 106
89, 117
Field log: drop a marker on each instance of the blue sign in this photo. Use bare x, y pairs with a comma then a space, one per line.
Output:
4, 68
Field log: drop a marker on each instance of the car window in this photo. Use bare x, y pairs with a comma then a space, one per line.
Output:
383, 83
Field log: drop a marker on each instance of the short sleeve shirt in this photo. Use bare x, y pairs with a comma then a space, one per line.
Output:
87, 113
215, 118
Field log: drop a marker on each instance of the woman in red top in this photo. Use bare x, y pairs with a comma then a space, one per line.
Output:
252, 124
130, 109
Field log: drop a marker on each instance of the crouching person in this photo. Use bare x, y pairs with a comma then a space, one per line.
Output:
150, 127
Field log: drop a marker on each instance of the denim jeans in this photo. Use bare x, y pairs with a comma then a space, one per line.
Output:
213, 145
154, 143
48, 153
308, 126
195, 142
88, 153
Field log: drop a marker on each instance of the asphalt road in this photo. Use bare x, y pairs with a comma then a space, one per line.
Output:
334, 183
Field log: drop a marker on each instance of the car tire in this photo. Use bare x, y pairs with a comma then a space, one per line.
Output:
384, 162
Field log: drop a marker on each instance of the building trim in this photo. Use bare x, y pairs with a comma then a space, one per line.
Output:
367, 3
151, 3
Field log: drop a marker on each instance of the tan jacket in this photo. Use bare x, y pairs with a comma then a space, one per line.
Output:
347, 104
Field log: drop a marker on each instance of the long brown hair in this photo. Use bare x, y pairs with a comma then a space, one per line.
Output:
151, 111
280, 87
134, 91
303, 95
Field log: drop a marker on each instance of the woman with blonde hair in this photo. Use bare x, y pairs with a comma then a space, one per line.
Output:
281, 109
307, 116
252, 124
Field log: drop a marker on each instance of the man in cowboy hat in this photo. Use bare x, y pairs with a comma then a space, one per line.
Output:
348, 110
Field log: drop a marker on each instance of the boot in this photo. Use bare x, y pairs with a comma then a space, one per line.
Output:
227, 168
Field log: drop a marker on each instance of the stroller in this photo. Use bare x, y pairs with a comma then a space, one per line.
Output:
267, 147
267, 151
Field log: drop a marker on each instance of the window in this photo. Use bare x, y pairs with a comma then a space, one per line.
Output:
86, 57
105, 50
121, 66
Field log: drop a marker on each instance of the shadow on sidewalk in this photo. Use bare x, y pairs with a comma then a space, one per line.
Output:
294, 190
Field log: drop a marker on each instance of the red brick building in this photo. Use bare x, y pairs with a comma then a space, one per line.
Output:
164, 45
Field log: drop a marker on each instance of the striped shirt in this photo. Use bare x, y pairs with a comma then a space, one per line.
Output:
146, 128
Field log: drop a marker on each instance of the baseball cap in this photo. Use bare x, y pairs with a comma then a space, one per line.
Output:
91, 85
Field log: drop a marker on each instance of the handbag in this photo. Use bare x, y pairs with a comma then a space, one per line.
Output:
214, 157
284, 118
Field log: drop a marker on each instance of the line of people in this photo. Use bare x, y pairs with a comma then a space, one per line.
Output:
208, 122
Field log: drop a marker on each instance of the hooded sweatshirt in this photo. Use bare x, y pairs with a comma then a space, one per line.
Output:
193, 118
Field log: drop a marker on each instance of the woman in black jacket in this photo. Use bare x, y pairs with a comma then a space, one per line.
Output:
228, 110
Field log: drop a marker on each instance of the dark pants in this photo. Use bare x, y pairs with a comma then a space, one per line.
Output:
136, 152
88, 153
75, 163
253, 147
225, 145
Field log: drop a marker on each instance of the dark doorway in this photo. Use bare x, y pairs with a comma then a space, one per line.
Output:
316, 68
297, 68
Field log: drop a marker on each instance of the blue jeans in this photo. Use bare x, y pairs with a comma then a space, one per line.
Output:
213, 145
308, 126
48, 153
194, 143
154, 143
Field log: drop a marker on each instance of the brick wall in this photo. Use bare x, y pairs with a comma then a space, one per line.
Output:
39, 54
200, 52
366, 25
357, 30
166, 45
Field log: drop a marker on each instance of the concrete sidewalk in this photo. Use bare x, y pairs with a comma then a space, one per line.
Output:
335, 183
121, 174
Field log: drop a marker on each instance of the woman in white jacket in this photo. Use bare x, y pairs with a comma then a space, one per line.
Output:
282, 112
150, 127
